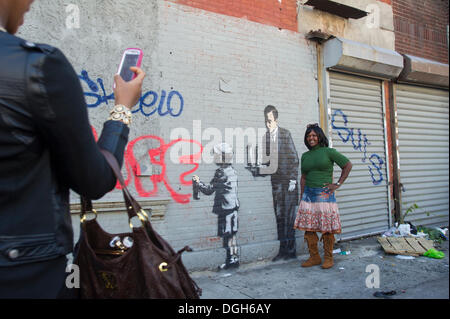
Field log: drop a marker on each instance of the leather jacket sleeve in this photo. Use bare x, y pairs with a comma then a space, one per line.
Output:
56, 100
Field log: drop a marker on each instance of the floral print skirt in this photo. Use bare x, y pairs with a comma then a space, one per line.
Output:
318, 212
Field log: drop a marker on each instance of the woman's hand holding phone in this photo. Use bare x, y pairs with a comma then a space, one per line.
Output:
128, 93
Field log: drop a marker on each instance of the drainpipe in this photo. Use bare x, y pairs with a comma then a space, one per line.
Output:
321, 88
397, 185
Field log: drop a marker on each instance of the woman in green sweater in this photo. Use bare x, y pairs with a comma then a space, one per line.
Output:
318, 210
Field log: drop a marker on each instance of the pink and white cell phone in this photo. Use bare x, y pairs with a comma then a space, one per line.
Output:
131, 57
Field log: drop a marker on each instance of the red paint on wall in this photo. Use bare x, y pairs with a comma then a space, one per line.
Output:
157, 157
278, 13
94, 132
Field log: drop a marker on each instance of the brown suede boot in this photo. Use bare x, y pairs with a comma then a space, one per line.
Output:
328, 244
314, 259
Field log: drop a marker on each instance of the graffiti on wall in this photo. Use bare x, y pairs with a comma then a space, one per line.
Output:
285, 191
278, 146
150, 103
224, 186
157, 156
360, 143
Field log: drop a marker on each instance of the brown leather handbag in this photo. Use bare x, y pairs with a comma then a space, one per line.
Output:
139, 264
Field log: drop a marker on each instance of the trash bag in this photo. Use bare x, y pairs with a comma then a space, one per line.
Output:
433, 253
404, 229
413, 228
433, 233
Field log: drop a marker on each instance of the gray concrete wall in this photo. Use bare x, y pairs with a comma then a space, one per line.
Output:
223, 71
376, 29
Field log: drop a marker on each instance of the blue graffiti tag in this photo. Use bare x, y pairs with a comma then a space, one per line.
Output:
351, 134
94, 88
344, 117
147, 102
378, 167
160, 107
359, 145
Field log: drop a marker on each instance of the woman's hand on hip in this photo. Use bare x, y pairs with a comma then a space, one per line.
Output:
330, 188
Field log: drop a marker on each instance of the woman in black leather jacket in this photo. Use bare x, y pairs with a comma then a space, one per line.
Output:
46, 148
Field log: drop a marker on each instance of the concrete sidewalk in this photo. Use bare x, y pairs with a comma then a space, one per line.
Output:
419, 278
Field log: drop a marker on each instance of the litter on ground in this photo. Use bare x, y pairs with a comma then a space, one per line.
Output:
410, 246
404, 257
384, 294
433, 253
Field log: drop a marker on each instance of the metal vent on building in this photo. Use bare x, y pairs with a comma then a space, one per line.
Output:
336, 8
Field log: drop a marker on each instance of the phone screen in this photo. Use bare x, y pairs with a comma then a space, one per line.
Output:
129, 61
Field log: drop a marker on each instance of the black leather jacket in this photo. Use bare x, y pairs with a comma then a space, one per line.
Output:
46, 148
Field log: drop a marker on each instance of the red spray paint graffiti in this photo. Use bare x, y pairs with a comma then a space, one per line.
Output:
157, 157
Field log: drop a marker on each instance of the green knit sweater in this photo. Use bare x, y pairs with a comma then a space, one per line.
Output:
317, 165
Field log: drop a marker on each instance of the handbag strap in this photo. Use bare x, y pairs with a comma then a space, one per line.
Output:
86, 206
133, 208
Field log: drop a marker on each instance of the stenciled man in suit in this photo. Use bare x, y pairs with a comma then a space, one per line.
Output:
281, 162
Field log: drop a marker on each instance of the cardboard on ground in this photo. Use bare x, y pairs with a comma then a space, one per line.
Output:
410, 246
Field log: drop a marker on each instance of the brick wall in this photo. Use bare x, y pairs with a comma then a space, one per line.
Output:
421, 28
224, 69
228, 69
279, 13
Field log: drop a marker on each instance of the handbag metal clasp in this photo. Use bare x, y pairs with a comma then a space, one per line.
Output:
163, 266
143, 217
83, 216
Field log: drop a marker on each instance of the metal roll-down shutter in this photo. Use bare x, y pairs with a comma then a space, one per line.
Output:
358, 131
423, 144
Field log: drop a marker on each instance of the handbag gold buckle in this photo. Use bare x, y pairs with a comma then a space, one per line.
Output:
83, 216
142, 215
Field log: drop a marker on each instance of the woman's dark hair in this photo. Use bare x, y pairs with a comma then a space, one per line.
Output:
323, 141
